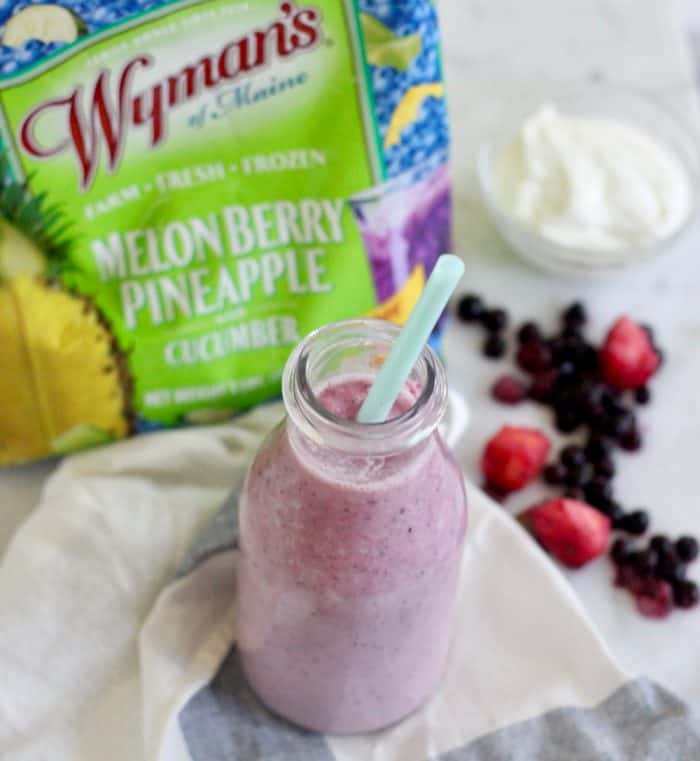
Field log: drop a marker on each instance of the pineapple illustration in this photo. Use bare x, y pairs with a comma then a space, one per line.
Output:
64, 384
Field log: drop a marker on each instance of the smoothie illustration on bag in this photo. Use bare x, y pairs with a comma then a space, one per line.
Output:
190, 188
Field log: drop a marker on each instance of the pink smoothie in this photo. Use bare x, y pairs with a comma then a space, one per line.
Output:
348, 574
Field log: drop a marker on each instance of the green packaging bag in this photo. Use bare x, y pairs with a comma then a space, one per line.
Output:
188, 188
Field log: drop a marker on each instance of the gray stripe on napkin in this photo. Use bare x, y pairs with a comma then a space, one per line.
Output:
639, 722
225, 722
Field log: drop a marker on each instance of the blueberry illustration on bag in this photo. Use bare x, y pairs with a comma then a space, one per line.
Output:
189, 188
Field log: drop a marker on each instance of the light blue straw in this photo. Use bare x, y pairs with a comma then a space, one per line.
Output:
413, 337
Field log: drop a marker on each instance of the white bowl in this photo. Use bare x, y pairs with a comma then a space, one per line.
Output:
624, 105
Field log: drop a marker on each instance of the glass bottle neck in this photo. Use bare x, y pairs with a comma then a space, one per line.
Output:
355, 349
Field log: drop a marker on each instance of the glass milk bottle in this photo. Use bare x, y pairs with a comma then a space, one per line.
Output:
351, 539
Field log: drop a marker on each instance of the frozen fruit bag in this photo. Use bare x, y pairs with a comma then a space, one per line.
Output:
188, 188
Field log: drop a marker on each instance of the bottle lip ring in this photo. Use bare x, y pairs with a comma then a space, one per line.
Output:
322, 426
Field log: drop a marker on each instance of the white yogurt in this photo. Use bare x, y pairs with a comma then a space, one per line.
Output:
592, 183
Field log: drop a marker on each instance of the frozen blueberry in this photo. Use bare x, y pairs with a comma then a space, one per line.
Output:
495, 319
575, 314
556, 346
631, 440
662, 544
598, 491
605, 468
686, 594
614, 406
687, 548
578, 475
635, 523
529, 331
612, 509
572, 456
598, 449
554, 474
646, 560
494, 346
670, 569
567, 350
568, 374
594, 393
618, 424
621, 551
668, 559
470, 308
566, 420
578, 394
642, 395
620, 419
572, 332
589, 358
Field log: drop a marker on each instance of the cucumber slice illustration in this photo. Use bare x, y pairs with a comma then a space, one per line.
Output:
384, 48
80, 436
374, 32
48, 23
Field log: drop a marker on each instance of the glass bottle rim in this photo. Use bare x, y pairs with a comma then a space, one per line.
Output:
391, 436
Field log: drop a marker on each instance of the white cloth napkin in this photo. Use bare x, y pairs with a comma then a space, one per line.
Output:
100, 648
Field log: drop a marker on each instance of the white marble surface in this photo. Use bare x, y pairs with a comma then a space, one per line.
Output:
494, 48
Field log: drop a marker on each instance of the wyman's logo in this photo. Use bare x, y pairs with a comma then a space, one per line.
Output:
107, 119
